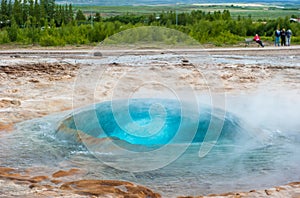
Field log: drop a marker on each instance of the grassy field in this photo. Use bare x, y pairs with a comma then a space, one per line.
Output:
256, 12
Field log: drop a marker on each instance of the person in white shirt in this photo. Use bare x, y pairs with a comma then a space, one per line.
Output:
288, 37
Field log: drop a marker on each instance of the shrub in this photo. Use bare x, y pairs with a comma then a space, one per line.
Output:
4, 37
48, 40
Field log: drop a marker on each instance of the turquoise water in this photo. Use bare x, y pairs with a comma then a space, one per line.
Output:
243, 157
151, 122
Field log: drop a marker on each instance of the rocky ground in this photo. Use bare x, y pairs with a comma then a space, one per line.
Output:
34, 86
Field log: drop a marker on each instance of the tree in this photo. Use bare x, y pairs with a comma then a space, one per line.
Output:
25, 11
42, 10
4, 10
59, 15
226, 15
17, 12
36, 10
9, 9
97, 17
48, 6
69, 13
80, 16
31, 8
13, 31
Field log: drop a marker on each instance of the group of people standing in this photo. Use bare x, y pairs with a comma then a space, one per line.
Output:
283, 37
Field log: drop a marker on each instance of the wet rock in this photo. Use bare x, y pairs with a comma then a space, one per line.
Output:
114, 64
39, 178
39, 69
62, 173
13, 91
186, 62
15, 102
41, 187
268, 192
17, 177
15, 56
109, 188
14, 175
6, 127
226, 76
54, 181
4, 103
97, 54
48, 187
279, 188
5, 170
227, 194
34, 80
35, 186
294, 184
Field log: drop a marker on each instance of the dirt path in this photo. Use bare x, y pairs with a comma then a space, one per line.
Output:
117, 50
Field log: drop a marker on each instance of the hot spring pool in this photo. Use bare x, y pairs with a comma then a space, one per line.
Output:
154, 122
158, 143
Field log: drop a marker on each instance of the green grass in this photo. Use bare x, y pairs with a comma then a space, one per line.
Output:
267, 12
264, 14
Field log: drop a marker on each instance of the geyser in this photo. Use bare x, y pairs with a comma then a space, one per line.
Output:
148, 138
152, 122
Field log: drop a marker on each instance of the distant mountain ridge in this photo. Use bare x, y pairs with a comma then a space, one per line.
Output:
172, 2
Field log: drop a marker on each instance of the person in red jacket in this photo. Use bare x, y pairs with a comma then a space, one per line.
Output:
257, 40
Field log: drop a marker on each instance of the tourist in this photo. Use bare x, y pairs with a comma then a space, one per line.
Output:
277, 37
282, 37
257, 40
288, 37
